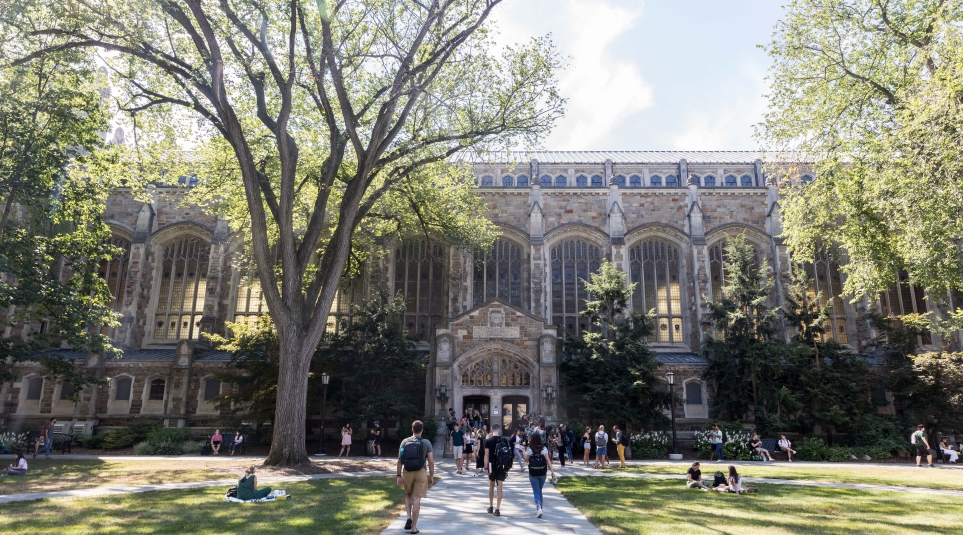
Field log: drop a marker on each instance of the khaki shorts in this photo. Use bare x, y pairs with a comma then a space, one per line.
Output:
416, 483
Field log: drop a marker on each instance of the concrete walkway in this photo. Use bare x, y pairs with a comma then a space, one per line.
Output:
459, 504
130, 489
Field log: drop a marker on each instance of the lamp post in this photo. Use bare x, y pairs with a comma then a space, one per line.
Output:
325, 379
670, 378
441, 392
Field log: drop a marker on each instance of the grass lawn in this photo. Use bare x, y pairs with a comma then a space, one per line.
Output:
652, 506
899, 475
343, 506
52, 475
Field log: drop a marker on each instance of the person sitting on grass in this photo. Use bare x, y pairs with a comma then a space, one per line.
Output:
694, 477
247, 486
18, 467
786, 446
756, 445
734, 482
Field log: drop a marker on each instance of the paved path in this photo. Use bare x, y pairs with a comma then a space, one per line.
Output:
458, 504
129, 489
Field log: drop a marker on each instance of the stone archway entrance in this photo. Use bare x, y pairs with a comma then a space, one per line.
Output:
515, 413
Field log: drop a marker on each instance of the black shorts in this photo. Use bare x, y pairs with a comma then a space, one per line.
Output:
497, 475
216, 442
922, 450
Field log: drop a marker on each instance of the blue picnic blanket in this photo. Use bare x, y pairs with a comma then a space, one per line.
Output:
275, 495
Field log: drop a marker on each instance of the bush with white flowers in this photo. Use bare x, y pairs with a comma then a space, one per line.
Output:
650, 445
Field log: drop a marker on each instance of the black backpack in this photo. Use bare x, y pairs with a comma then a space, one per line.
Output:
537, 465
231, 492
624, 439
413, 456
718, 479
503, 455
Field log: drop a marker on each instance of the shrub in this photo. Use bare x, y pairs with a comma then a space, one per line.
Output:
118, 439
167, 434
839, 454
702, 444
650, 445
812, 449
95, 442
737, 447
192, 446
161, 448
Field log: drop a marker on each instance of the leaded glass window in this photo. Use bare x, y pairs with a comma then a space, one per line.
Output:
182, 289
114, 271
581, 181
508, 181
487, 181
671, 181
828, 285
655, 181
561, 181
746, 181
905, 298
498, 273
620, 180
349, 297
730, 181
596, 181
572, 262
419, 277
635, 181
514, 374
546, 181
718, 256
709, 181
478, 374
250, 302
522, 181
654, 266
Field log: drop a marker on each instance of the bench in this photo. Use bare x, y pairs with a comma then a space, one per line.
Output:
64, 439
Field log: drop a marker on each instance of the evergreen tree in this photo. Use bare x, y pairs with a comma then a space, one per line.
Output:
746, 361
609, 372
830, 383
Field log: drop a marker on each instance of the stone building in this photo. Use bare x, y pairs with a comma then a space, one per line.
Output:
490, 320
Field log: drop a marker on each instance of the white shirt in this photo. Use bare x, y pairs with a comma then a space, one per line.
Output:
784, 443
22, 464
528, 451
735, 485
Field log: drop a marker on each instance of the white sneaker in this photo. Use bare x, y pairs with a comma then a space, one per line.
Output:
719, 461
538, 511
790, 460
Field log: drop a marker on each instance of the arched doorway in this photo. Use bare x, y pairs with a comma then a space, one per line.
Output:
515, 413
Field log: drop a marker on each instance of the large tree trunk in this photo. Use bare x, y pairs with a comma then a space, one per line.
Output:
290, 413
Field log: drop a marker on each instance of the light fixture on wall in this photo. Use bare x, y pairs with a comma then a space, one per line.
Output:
442, 392
548, 392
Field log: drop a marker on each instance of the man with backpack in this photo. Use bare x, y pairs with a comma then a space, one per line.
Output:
414, 456
621, 441
919, 440
601, 448
498, 461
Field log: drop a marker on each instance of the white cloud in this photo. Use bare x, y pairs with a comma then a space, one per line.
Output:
601, 90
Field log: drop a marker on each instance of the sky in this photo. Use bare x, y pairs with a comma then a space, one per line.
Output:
653, 74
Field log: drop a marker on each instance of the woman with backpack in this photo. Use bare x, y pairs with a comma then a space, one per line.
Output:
539, 464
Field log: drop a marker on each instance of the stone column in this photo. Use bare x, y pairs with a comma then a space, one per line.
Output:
134, 301
615, 225
536, 235
699, 271
781, 263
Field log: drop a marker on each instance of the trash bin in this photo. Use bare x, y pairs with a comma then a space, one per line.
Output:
369, 448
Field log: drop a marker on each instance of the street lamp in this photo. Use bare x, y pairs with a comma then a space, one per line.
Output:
441, 392
325, 379
670, 378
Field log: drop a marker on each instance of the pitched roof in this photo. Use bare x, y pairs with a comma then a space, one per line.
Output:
681, 358
623, 156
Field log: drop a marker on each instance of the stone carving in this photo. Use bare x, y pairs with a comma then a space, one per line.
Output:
548, 351
183, 354
496, 326
444, 349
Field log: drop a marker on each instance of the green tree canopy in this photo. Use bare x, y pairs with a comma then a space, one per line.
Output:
869, 91
334, 118
609, 371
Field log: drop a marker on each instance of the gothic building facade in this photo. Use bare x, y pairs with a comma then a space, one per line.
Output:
491, 321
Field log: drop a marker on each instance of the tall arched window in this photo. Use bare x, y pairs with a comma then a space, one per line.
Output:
746, 181
572, 262
671, 181
522, 181
250, 302
709, 181
561, 181
655, 181
730, 181
114, 271
693, 393
905, 298
350, 295
546, 181
183, 286
826, 283
717, 267
508, 181
487, 181
655, 270
635, 181
498, 273
419, 276
581, 181
596, 181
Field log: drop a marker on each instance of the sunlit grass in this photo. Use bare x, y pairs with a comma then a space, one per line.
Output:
339, 506
653, 506
53, 475
899, 475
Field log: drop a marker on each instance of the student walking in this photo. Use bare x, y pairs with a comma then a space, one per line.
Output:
715, 438
621, 440
345, 440
498, 461
601, 448
586, 446
46, 439
561, 440
457, 441
539, 464
922, 446
521, 441
414, 455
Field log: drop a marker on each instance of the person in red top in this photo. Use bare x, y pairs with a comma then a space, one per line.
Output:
216, 440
